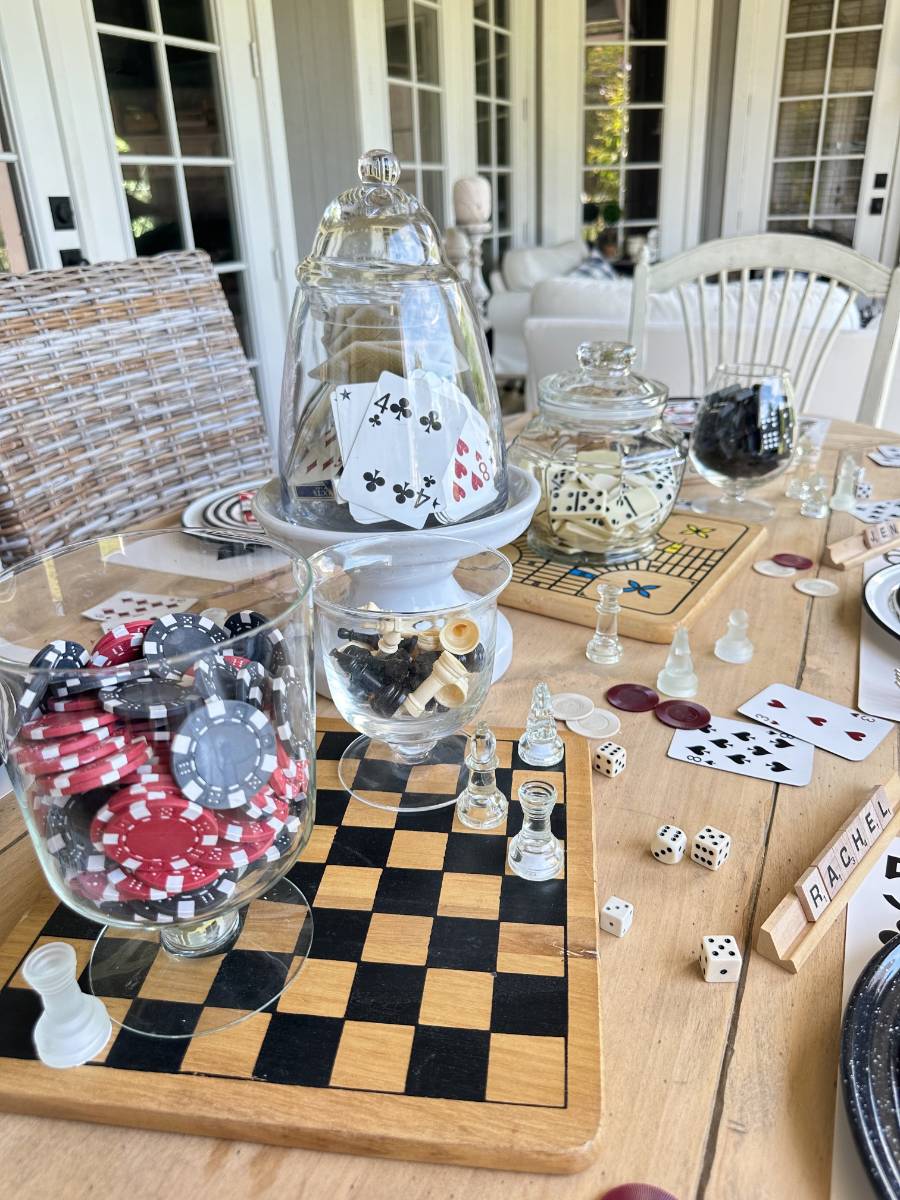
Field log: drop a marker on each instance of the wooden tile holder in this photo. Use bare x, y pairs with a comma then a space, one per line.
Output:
787, 937
853, 551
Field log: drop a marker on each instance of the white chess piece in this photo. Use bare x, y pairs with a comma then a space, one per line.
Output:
73, 1026
734, 646
678, 678
844, 497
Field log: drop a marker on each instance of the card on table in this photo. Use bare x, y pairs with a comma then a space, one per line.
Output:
833, 727
872, 511
745, 749
130, 606
886, 456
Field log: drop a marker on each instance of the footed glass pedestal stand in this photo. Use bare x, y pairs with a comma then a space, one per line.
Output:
233, 965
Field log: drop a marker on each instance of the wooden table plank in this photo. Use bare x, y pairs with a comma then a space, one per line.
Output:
715, 1091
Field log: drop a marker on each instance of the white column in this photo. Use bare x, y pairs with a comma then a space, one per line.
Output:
562, 148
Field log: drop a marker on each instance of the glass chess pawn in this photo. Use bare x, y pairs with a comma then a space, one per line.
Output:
540, 745
535, 852
481, 804
604, 648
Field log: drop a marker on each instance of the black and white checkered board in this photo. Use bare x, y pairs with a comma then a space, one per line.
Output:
436, 978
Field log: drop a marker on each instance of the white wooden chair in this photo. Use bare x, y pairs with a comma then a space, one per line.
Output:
788, 315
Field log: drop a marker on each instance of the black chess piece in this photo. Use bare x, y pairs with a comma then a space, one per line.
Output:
385, 696
397, 666
474, 660
351, 635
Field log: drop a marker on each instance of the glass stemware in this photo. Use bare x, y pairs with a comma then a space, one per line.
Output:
743, 437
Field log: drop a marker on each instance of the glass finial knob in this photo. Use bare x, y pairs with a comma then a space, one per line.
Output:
607, 357
378, 166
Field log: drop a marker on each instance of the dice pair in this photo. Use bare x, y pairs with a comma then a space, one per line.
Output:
710, 846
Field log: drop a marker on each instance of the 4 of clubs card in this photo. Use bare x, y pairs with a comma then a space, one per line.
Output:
745, 749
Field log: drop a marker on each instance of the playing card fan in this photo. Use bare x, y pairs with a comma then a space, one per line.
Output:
390, 415
608, 464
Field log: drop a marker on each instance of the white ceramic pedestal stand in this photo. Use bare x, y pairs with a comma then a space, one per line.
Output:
398, 592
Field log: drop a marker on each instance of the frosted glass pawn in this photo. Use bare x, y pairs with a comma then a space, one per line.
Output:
73, 1026
678, 678
481, 804
734, 646
540, 745
844, 497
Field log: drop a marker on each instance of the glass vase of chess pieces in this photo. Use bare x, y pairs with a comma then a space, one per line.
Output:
159, 724
743, 437
390, 417
608, 464
406, 674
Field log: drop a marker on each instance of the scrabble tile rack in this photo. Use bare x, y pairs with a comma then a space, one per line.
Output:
449, 1011
693, 559
788, 937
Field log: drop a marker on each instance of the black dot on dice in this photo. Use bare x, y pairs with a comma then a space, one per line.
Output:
724, 971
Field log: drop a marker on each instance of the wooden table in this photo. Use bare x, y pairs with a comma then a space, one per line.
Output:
709, 1091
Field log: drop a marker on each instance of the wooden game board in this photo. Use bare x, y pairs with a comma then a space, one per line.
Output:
693, 558
449, 1010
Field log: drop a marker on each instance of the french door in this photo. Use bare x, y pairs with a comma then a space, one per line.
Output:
134, 127
814, 128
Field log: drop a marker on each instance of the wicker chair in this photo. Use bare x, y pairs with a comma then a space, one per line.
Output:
125, 391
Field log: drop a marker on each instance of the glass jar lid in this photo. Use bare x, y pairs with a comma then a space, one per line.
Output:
603, 388
375, 224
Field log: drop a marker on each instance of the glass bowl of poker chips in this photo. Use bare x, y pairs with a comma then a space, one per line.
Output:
406, 672
159, 720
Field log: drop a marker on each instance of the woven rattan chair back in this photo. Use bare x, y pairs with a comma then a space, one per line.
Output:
124, 391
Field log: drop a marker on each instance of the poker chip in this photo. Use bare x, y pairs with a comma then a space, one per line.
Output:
49, 751
64, 725
103, 773
79, 704
71, 762
632, 697
193, 903
816, 587
215, 677
287, 695
798, 561
264, 804
240, 626
127, 886
682, 714
223, 754
168, 832
173, 882
121, 644
600, 723
155, 699
61, 655
250, 684
224, 855
150, 779
68, 833
569, 706
236, 829
767, 566
282, 845
273, 651
178, 634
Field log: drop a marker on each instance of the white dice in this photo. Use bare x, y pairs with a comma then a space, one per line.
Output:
669, 844
720, 959
710, 847
609, 758
616, 916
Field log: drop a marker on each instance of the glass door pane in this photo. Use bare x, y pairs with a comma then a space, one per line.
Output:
16, 253
493, 88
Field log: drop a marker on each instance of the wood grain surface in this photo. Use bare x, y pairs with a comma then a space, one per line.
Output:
724, 1092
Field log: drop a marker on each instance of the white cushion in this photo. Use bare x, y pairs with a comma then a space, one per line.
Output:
524, 267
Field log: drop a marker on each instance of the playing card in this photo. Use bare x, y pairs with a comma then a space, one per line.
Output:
128, 606
348, 403
745, 749
831, 726
886, 456
872, 511
400, 456
468, 483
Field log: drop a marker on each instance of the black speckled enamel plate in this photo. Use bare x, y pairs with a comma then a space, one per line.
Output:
870, 1068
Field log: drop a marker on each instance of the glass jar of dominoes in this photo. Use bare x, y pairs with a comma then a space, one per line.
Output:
609, 466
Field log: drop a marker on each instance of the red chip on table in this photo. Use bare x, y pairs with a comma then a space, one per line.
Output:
174, 882
64, 725
632, 697
682, 714
167, 832
798, 561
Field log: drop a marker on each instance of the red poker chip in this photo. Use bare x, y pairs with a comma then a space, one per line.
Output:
71, 762
173, 882
168, 832
38, 752
229, 854
798, 561
127, 886
237, 661
632, 697
61, 725
284, 787
103, 773
74, 704
244, 831
682, 714
264, 804
121, 644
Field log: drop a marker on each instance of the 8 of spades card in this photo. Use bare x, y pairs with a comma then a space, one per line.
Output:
745, 749
833, 727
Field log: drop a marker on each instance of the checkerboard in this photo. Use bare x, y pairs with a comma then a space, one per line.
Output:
448, 1011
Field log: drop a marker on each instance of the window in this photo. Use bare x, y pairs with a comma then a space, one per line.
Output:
624, 74
415, 90
831, 52
494, 117
15, 250
160, 60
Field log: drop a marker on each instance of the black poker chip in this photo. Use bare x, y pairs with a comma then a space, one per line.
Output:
68, 831
284, 843
178, 634
149, 698
273, 654
193, 904
56, 655
214, 677
223, 754
250, 684
287, 695
241, 625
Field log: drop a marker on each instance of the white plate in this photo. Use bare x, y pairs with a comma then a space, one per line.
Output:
568, 706
600, 724
877, 599
221, 511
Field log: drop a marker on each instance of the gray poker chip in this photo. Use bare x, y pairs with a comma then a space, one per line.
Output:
68, 831
149, 698
223, 754
214, 677
250, 685
241, 625
58, 654
178, 634
287, 694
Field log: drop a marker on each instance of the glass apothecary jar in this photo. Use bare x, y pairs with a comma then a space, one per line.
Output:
608, 465
390, 417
